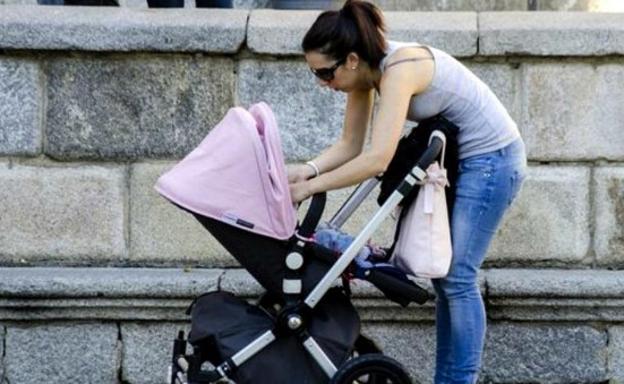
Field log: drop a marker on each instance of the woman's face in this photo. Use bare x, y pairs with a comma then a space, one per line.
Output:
332, 73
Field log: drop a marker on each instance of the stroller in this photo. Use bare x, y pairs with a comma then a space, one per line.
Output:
304, 329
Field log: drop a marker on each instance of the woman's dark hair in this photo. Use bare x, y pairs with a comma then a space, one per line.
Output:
358, 27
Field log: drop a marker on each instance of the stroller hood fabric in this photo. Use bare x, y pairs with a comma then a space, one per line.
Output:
237, 175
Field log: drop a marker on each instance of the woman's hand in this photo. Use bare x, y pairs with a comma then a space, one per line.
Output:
300, 191
299, 172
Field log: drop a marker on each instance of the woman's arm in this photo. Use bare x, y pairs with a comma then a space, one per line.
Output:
397, 87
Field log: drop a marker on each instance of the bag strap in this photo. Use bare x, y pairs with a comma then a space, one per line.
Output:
397, 230
442, 137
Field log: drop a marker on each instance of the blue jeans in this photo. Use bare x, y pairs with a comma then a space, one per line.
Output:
486, 186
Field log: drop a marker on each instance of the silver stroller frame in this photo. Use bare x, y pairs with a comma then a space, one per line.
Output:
293, 318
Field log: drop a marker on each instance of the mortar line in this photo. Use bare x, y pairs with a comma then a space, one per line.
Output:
591, 195
127, 208
522, 95
237, 63
43, 82
608, 347
120, 354
3, 357
478, 34
4, 329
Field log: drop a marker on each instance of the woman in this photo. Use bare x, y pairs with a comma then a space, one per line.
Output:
347, 52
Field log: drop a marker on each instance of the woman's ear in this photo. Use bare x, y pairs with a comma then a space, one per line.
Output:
353, 61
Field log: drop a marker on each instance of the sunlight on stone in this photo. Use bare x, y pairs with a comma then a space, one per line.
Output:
606, 6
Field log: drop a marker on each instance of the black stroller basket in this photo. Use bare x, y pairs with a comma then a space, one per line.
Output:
304, 329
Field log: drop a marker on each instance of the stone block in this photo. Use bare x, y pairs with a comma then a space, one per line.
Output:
21, 101
264, 35
241, 283
106, 282
162, 233
453, 6
309, 116
251, 4
549, 221
94, 309
71, 215
413, 345
129, 107
62, 353
551, 34
555, 295
552, 353
578, 5
609, 219
505, 81
616, 354
147, 351
122, 29
101, 294
568, 119
555, 283
453, 32
136, 3
18, 2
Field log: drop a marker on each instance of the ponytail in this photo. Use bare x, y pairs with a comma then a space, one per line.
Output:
357, 27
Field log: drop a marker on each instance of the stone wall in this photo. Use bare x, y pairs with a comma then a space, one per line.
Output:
96, 103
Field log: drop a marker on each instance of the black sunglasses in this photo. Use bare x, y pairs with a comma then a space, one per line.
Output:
327, 74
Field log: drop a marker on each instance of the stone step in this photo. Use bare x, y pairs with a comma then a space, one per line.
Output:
99, 324
29, 294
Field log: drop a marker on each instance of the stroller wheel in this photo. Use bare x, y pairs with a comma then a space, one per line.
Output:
371, 369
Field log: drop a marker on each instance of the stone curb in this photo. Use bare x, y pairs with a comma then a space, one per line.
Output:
47, 282
462, 34
551, 33
555, 283
264, 35
164, 294
106, 282
455, 32
555, 295
122, 29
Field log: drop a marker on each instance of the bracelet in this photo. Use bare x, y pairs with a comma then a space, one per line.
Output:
316, 169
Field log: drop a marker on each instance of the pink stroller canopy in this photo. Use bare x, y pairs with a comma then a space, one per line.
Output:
237, 175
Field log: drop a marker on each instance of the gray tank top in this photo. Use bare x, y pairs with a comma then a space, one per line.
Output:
462, 98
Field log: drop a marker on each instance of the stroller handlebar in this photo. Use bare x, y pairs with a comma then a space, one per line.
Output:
433, 150
317, 205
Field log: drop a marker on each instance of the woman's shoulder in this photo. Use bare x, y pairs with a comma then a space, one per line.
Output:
411, 70
399, 51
